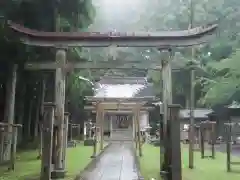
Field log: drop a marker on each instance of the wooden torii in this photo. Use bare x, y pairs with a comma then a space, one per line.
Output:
131, 105
62, 40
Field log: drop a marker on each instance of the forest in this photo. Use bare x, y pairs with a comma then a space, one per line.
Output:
217, 78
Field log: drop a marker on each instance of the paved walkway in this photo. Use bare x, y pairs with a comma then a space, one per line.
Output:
116, 163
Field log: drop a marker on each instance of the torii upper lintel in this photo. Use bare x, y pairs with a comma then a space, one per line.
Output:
182, 38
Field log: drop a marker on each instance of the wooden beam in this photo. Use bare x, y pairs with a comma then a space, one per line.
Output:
122, 65
163, 43
121, 100
181, 38
154, 65
119, 109
130, 111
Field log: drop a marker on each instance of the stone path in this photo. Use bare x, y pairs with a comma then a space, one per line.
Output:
116, 163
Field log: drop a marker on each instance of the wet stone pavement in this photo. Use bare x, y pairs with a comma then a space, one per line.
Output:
116, 163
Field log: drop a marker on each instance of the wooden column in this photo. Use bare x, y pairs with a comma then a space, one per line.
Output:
102, 129
65, 136
228, 145
174, 158
46, 164
213, 139
191, 135
85, 131
166, 82
135, 128
10, 109
111, 125
13, 147
167, 98
41, 116
2, 135
98, 116
70, 129
138, 131
60, 102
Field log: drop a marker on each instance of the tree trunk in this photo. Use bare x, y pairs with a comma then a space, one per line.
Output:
187, 101
9, 109
21, 105
41, 116
28, 133
36, 127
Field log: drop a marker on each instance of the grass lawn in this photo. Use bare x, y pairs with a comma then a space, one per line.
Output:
205, 169
28, 167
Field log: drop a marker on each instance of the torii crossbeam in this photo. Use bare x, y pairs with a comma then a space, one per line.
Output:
163, 39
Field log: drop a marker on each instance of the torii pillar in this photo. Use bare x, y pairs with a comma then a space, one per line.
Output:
137, 129
99, 123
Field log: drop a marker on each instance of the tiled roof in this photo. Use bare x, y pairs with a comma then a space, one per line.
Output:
123, 87
198, 113
234, 105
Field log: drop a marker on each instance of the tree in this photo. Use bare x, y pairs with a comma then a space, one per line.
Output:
41, 15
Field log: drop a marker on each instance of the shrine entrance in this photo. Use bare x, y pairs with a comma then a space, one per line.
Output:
61, 41
121, 128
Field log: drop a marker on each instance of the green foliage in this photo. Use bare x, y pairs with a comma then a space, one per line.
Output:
78, 89
45, 15
225, 82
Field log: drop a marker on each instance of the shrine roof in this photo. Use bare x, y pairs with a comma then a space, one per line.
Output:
234, 105
198, 113
124, 87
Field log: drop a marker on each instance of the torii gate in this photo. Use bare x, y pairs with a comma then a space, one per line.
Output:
63, 40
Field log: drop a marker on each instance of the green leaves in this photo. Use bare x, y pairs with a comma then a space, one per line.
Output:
225, 81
